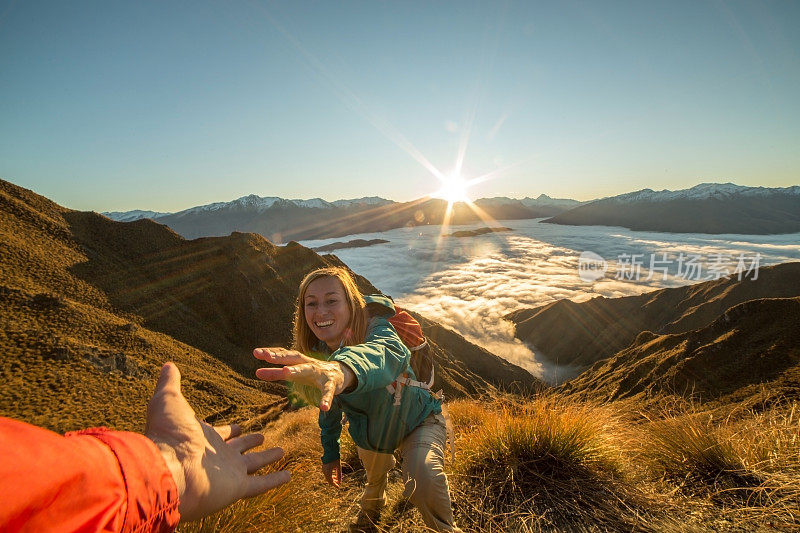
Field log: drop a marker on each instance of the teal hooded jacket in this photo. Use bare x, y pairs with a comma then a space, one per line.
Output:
375, 423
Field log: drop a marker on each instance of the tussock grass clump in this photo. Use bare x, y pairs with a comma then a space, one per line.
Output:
468, 415
541, 465
688, 448
747, 465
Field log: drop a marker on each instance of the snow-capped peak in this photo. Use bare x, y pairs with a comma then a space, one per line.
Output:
254, 201
703, 191
318, 203
251, 201
130, 216
366, 200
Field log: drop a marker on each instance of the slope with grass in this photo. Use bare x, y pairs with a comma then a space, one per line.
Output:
555, 463
751, 345
71, 356
583, 333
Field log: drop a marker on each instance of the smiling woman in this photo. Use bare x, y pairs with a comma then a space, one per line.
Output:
366, 375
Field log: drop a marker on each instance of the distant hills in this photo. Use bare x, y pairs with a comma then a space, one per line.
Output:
91, 308
751, 349
281, 220
712, 338
705, 208
355, 243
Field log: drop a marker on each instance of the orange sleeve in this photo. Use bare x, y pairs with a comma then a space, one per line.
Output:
91, 480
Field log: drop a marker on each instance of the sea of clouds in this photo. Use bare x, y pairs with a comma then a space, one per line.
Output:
470, 283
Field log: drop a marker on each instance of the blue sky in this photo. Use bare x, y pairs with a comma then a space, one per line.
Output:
165, 105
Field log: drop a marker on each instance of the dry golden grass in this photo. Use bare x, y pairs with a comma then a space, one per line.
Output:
554, 464
542, 464
747, 465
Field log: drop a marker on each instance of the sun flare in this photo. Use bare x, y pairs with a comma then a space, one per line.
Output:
454, 189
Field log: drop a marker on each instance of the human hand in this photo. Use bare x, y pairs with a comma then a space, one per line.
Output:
331, 377
333, 472
208, 464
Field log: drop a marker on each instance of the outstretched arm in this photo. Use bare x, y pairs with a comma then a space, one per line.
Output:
331, 377
100, 479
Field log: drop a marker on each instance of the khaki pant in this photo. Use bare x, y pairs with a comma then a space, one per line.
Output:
423, 474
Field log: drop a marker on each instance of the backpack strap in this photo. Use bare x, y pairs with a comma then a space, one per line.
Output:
421, 346
396, 387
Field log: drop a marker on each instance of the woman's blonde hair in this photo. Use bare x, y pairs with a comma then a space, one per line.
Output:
304, 339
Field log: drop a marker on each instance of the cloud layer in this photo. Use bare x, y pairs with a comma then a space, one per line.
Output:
469, 284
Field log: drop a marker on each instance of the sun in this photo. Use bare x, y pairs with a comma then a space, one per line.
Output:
454, 189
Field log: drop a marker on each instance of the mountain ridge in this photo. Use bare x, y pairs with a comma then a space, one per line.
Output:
281, 220
705, 208
583, 333
752, 344
714, 208
264, 202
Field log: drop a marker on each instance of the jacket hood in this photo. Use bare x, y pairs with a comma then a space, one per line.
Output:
379, 305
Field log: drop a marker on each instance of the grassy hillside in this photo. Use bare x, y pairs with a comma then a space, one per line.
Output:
584, 333
91, 308
71, 355
751, 345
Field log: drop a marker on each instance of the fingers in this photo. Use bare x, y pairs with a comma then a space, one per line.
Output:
273, 374
257, 460
328, 391
169, 379
246, 442
280, 356
302, 372
228, 432
260, 484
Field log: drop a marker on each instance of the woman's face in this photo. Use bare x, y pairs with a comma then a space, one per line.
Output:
326, 310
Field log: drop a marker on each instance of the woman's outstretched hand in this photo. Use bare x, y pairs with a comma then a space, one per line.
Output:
333, 472
331, 377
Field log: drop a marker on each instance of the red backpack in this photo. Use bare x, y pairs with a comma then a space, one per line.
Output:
410, 332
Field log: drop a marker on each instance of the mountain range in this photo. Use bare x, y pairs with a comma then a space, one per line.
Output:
91, 308
282, 220
705, 208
